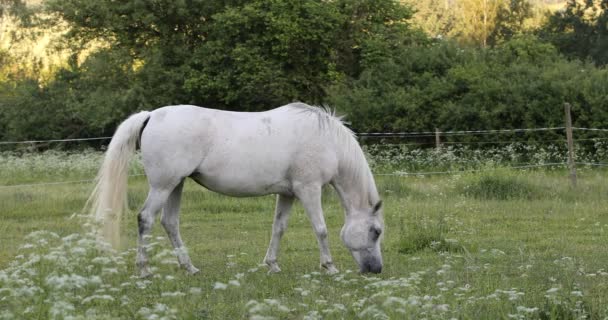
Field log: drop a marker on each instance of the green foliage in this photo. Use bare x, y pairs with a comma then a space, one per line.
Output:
511, 20
435, 17
478, 23
580, 31
284, 54
291, 50
238, 55
82, 101
521, 83
362, 57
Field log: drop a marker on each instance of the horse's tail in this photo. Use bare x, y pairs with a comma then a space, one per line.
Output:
109, 197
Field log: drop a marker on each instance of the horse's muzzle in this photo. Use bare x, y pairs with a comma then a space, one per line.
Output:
371, 266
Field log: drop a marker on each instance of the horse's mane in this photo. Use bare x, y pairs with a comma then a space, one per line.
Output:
353, 164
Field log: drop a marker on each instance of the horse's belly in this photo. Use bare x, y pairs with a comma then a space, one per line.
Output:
245, 169
242, 184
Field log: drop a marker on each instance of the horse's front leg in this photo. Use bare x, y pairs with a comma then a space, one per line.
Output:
281, 216
170, 221
310, 196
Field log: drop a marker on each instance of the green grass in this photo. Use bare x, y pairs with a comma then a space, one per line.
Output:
448, 251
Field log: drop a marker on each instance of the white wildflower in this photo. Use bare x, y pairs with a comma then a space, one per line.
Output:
104, 297
577, 293
61, 309
79, 251
312, 315
390, 302
172, 294
109, 271
142, 284
195, 290
372, 312
219, 286
259, 317
102, 260
442, 307
255, 307
524, 309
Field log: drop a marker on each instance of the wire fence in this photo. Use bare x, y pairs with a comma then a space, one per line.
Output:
53, 183
399, 135
395, 174
410, 134
53, 140
455, 133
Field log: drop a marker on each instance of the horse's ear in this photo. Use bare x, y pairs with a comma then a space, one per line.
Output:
377, 207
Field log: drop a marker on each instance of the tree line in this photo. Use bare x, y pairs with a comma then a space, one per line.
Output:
499, 65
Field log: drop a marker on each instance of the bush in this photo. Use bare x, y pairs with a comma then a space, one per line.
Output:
522, 83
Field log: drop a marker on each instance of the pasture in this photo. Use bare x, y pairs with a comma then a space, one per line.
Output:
494, 244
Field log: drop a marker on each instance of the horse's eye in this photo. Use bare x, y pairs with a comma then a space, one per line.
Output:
375, 232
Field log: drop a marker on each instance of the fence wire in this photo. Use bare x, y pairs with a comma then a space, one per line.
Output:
53, 183
414, 134
396, 174
411, 134
53, 140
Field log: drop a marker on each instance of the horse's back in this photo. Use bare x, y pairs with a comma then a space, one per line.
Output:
238, 153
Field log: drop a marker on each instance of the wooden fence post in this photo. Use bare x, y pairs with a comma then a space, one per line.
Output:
437, 139
571, 163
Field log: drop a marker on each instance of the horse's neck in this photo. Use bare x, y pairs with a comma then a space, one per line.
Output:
356, 187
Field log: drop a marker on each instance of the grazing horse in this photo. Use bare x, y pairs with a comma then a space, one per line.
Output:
291, 151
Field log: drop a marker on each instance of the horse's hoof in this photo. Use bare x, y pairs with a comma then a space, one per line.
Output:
144, 274
193, 270
330, 269
274, 268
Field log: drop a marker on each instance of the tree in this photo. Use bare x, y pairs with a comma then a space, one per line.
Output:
519, 83
511, 20
580, 31
479, 23
266, 53
237, 55
476, 20
435, 17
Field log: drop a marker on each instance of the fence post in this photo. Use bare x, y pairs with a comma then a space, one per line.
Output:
571, 163
437, 139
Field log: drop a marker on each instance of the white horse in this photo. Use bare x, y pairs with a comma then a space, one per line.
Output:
291, 151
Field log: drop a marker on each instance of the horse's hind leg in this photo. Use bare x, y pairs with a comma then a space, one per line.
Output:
281, 215
154, 202
170, 221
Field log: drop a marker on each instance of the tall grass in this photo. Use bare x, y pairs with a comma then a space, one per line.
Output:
499, 184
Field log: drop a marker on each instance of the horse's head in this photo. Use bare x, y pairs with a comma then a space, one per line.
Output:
362, 234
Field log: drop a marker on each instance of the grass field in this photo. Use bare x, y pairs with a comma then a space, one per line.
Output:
496, 244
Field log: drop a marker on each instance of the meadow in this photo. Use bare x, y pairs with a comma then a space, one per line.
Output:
487, 242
